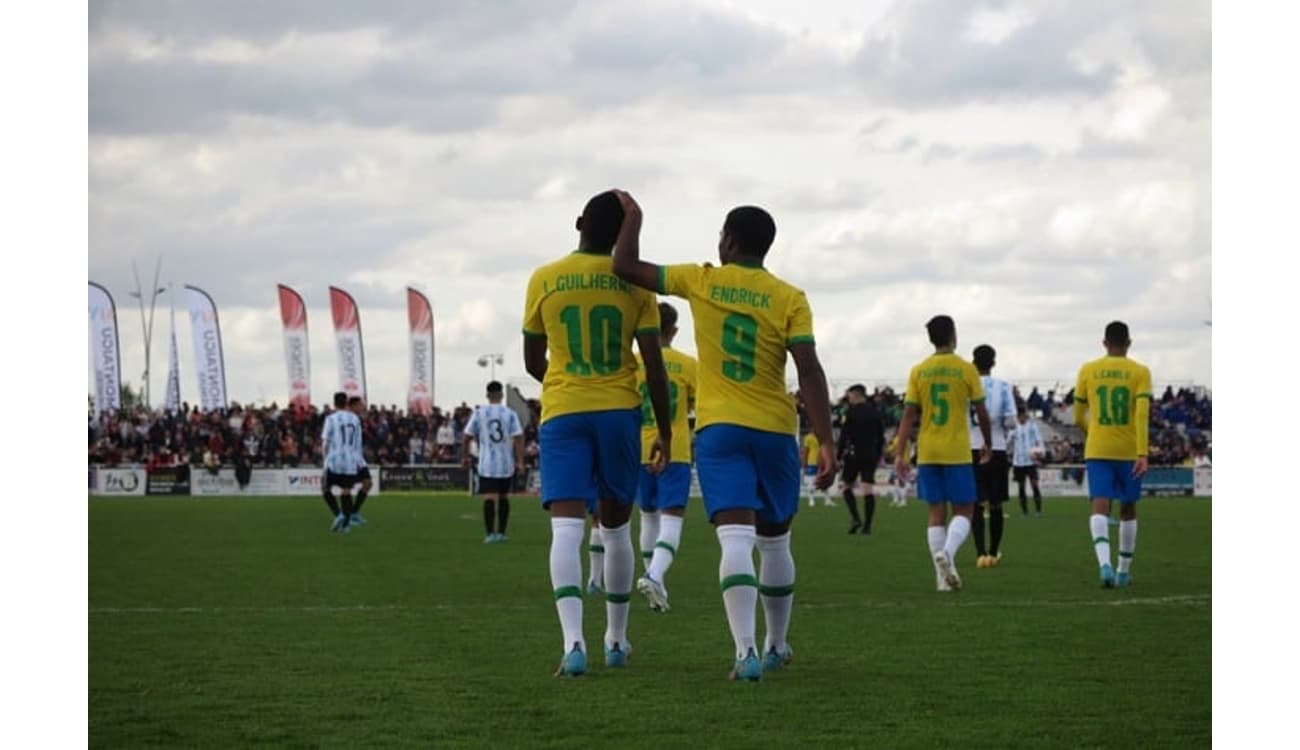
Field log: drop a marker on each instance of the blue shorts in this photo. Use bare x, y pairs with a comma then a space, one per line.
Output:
591, 456
667, 490
1113, 480
810, 471
744, 468
952, 483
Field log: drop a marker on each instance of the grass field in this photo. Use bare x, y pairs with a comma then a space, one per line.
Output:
237, 622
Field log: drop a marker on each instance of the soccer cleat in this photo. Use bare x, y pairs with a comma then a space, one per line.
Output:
654, 592
501, 538
830, 503
854, 528
947, 570
1122, 580
594, 589
981, 561
339, 522
573, 664
490, 539
748, 669
616, 655
941, 585
775, 659
1107, 577
356, 520
812, 503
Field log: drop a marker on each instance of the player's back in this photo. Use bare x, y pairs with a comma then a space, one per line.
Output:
1001, 404
1111, 387
494, 426
590, 318
682, 371
943, 387
745, 318
343, 442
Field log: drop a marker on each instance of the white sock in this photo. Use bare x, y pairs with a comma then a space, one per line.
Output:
776, 588
958, 530
620, 567
739, 586
1128, 538
1100, 527
566, 578
596, 550
670, 536
935, 536
649, 535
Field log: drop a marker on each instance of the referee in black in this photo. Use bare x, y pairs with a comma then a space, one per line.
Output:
862, 439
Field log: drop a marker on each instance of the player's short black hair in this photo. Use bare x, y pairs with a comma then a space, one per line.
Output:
601, 219
1117, 333
354, 401
667, 317
858, 388
494, 386
984, 356
752, 229
340, 399
942, 330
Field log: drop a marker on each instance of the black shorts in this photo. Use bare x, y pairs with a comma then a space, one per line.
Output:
344, 482
494, 485
1021, 472
856, 468
363, 474
991, 481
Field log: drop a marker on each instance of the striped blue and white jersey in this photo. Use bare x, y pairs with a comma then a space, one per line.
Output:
494, 427
341, 443
1001, 404
1024, 438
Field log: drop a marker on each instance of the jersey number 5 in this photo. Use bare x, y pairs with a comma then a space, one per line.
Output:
939, 416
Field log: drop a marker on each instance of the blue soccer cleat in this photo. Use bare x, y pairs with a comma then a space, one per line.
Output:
616, 655
775, 659
748, 669
573, 664
1107, 577
356, 520
593, 589
339, 522
1122, 580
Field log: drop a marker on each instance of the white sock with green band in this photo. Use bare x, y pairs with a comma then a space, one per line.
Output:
776, 588
739, 585
1128, 537
1100, 528
620, 568
649, 535
596, 552
665, 547
566, 578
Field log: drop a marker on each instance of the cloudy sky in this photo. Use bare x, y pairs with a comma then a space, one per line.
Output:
1034, 169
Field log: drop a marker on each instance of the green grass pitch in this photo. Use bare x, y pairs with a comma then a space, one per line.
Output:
239, 622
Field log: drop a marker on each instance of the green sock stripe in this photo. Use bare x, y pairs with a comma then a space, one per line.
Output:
564, 591
618, 598
671, 549
647, 554
1100, 540
1129, 555
600, 548
740, 579
776, 590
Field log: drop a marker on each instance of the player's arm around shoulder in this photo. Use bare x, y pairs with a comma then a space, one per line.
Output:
627, 249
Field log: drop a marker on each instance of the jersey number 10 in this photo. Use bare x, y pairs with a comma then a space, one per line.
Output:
604, 339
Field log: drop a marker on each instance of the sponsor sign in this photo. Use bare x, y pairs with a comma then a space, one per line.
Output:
446, 477
1201, 481
169, 480
121, 481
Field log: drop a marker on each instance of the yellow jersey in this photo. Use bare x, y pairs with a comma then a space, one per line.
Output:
1116, 391
681, 371
589, 317
745, 319
943, 387
811, 447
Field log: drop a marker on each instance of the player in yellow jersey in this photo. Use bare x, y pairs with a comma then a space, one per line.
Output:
808, 456
941, 390
746, 450
1112, 402
898, 484
662, 496
579, 322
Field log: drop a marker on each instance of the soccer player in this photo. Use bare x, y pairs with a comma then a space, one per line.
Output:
579, 323
1026, 441
500, 437
357, 407
940, 390
662, 496
862, 438
1112, 402
341, 444
746, 451
808, 456
992, 488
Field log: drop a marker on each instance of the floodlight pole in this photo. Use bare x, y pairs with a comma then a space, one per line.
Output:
146, 327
